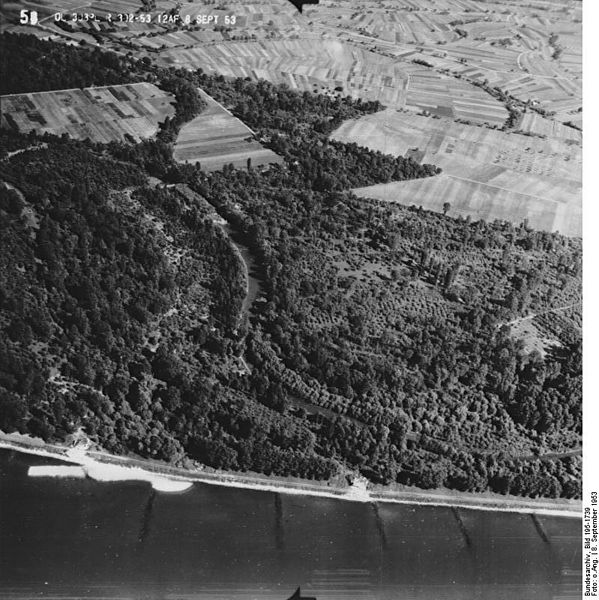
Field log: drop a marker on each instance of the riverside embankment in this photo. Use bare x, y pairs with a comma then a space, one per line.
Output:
103, 466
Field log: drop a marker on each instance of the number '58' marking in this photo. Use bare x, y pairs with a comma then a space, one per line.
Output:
28, 17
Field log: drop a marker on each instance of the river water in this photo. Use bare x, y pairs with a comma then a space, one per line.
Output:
78, 538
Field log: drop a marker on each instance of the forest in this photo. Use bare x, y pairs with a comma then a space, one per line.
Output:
51, 66
88, 275
395, 320
382, 343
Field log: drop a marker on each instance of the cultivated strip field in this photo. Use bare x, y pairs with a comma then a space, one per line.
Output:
480, 201
102, 114
534, 123
216, 138
532, 51
314, 64
258, 17
395, 22
487, 174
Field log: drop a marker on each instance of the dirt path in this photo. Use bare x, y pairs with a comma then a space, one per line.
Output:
545, 312
21, 150
10, 186
496, 187
551, 455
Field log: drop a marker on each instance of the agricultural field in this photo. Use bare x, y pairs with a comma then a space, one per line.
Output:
428, 57
536, 124
367, 49
102, 114
176, 39
233, 21
487, 174
532, 52
258, 18
332, 66
396, 22
481, 201
216, 138
527, 76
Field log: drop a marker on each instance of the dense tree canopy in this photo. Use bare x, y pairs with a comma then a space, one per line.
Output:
32, 65
385, 339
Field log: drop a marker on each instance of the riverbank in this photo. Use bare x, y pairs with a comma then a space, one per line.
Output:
89, 466
102, 466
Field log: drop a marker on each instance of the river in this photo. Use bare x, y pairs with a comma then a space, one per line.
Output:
84, 539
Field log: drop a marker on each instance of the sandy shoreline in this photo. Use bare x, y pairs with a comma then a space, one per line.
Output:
105, 467
95, 469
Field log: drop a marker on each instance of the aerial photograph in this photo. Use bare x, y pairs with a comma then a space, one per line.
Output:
291, 300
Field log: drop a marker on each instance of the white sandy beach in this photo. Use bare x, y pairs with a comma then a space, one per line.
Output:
87, 466
104, 471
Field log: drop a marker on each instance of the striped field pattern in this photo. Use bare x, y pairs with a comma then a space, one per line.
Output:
487, 174
216, 138
324, 64
102, 114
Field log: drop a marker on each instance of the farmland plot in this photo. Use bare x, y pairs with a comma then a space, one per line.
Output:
534, 123
532, 54
392, 22
102, 114
487, 174
317, 64
216, 138
528, 76
260, 17
480, 201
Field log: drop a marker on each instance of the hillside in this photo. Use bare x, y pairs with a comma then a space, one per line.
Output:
387, 340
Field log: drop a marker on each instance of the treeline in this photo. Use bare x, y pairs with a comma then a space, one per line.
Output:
188, 103
296, 125
292, 127
262, 105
